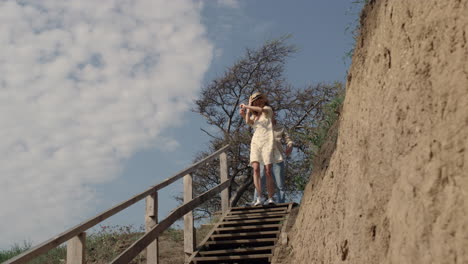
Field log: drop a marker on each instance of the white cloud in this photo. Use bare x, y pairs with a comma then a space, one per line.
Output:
83, 85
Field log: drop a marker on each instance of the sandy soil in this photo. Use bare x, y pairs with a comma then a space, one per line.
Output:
396, 188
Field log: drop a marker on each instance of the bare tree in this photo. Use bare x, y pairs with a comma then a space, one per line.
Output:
298, 109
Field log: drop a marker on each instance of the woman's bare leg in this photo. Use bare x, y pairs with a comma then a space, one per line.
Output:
270, 181
256, 178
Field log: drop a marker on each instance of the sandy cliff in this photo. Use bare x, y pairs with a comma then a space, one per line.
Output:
395, 189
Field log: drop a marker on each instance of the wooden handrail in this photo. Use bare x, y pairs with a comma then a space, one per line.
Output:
78, 229
139, 245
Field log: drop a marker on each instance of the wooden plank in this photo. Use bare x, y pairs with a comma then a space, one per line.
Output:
252, 221
207, 237
190, 169
189, 232
258, 233
250, 227
240, 241
259, 210
76, 249
283, 240
131, 252
254, 216
74, 231
264, 213
284, 205
151, 220
284, 235
234, 257
235, 250
82, 227
223, 172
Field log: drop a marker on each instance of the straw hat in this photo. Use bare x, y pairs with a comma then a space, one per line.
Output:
257, 95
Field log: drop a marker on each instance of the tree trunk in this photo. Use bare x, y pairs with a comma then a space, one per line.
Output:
241, 191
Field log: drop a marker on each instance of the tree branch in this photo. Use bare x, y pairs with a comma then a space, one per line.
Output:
210, 134
241, 191
307, 113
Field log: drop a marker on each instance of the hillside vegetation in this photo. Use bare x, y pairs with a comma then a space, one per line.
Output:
107, 243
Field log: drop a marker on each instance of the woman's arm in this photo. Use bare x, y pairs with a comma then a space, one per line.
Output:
253, 108
246, 116
288, 141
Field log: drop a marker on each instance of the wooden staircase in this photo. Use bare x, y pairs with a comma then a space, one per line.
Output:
244, 235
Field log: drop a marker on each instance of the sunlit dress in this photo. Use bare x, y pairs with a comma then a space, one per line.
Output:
262, 147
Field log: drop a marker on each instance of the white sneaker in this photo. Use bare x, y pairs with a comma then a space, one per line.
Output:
259, 201
271, 201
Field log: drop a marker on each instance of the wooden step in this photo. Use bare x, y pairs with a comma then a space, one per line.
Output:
234, 257
244, 234
253, 216
250, 227
253, 221
258, 210
284, 205
240, 241
236, 250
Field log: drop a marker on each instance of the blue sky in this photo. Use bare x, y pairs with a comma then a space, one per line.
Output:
80, 137
318, 29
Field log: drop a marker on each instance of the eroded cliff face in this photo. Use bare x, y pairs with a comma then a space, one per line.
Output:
396, 188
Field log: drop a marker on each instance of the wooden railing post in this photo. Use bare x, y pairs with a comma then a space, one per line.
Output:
223, 171
151, 219
189, 232
76, 249
76, 238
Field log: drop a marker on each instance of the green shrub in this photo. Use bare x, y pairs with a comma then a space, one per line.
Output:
318, 134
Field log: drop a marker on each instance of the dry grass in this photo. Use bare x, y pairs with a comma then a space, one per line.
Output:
110, 241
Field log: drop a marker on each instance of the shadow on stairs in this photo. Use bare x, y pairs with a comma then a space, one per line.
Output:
244, 235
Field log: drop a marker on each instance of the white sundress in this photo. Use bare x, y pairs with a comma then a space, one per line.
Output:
262, 147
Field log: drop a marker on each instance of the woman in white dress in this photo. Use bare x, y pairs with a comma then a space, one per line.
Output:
263, 150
